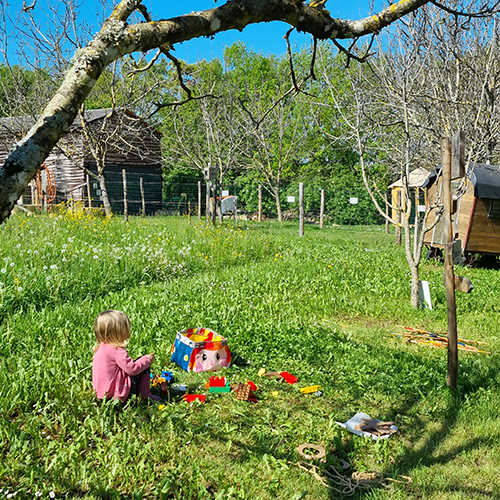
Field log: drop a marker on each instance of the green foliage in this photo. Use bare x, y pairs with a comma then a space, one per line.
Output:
22, 90
321, 307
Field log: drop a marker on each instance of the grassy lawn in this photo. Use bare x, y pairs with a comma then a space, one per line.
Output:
321, 307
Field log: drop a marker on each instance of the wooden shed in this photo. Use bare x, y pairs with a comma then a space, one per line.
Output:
127, 143
417, 180
476, 210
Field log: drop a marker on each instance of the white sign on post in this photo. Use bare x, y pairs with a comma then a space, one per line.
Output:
290, 199
225, 192
424, 294
353, 201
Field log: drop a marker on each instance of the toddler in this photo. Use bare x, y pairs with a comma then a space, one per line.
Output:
115, 375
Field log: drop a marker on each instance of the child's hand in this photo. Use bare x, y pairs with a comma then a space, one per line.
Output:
151, 356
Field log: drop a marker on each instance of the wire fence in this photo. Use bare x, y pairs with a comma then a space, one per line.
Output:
145, 194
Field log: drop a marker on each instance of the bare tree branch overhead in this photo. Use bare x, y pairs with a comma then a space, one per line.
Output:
118, 38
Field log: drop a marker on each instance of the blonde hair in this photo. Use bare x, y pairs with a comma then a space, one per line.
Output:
112, 327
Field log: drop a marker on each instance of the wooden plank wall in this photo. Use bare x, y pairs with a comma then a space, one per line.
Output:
485, 231
134, 142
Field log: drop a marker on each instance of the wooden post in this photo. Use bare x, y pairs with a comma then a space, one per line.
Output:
199, 200
301, 209
207, 203
189, 210
214, 208
322, 208
451, 376
125, 201
88, 191
141, 186
259, 218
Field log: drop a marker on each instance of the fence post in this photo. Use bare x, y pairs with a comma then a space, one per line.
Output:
88, 192
452, 372
322, 208
199, 200
125, 201
259, 217
301, 209
141, 185
189, 210
207, 203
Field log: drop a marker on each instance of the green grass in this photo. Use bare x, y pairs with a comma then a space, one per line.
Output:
321, 307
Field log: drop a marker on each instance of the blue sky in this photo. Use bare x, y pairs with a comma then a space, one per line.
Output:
265, 38
262, 38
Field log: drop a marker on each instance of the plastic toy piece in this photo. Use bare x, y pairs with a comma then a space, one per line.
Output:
271, 375
291, 379
157, 380
261, 372
168, 376
217, 381
243, 392
189, 398
318, 394
217, 389
310, 389
180, 387
253, 387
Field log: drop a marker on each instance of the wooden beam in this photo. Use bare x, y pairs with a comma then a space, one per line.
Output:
451, 377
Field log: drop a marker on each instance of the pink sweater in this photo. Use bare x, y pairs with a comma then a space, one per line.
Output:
111, 371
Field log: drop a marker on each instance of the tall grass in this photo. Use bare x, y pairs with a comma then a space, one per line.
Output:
321, 307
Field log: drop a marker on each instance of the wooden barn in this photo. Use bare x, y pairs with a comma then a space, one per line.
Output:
476, 210
117, 138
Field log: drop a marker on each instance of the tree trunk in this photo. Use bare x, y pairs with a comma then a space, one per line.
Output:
104, 195
276, 194
414, 285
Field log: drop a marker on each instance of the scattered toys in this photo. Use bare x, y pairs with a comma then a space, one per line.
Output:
270, 375
244, 392
190, 398
311, 389
288, 377
217, 385
253, 387
363, 425
162, 381
439, 340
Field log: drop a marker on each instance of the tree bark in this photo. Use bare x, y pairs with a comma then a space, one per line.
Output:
104, 195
